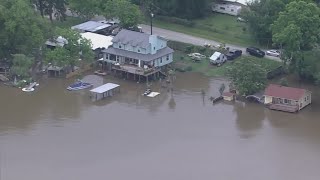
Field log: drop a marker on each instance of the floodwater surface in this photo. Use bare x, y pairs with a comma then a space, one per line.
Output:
54, 134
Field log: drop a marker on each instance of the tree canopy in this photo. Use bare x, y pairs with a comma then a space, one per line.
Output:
87, 11
21, 29
52, 8
21, 65
129, 14
76, 50
298, 26
247, 76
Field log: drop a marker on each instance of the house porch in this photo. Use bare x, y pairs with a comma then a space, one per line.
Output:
284, 107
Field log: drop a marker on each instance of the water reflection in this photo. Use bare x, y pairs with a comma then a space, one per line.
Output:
249, 118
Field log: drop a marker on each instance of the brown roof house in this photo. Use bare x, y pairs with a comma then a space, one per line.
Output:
287, 99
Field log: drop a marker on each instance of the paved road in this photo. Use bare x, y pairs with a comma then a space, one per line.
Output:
176, 36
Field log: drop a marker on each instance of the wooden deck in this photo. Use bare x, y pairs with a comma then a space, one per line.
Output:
135, 70
283, 107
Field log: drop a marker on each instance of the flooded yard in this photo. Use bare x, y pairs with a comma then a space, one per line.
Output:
54, 134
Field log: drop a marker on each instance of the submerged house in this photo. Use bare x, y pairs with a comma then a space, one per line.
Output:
138, 54
287, 99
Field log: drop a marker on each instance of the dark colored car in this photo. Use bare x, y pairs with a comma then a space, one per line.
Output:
255, 52
233, 54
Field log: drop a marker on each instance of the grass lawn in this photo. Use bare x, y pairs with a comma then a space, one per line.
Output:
182, 61
219, 27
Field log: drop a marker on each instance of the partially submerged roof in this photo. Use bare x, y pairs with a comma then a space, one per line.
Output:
104, 88
132, 38
279, 91
90, 26
98, 40
134, 55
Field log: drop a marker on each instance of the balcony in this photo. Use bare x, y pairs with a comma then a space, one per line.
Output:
134, 69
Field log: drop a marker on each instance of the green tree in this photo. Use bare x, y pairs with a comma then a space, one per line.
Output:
297, 29
22, 30
247, 76
58, 57
21, 65
87, 8
129, 14
52, 8
260, 15
77, 50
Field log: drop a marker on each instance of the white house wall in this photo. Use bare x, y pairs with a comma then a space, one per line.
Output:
163, 61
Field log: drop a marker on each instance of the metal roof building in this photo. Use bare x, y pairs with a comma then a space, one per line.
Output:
90, 26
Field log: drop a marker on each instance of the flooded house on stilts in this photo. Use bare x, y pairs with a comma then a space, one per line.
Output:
138, 55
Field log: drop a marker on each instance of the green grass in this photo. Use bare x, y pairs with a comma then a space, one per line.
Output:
207, 69
69, 22
218, 27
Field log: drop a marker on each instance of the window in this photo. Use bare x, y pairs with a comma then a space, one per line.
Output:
138, 50
154, 48
160, 60
231, 10
222, 8
167, 57
120, 46
305, 99
287, 101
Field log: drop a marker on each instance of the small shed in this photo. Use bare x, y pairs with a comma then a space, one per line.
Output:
228, 96
104, 91
54, 71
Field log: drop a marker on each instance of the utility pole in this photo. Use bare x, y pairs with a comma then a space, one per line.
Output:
151, 15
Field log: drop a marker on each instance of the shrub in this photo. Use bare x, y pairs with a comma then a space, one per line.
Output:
189, 49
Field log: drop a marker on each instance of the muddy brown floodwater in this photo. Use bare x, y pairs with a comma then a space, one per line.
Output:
53, 134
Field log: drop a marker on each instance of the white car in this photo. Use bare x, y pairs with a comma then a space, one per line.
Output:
273, 52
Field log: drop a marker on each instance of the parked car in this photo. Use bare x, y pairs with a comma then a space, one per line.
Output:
273, 52
233, 54
218, 58
255, 52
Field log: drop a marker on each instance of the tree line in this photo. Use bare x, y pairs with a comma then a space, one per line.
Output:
294, 27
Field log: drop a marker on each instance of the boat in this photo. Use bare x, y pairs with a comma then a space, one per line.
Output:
30, 87
101, 73
79, 85
147, 92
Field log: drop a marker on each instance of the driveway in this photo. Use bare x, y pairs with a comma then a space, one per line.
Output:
176, 36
